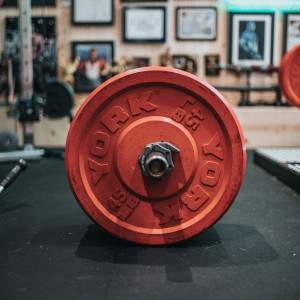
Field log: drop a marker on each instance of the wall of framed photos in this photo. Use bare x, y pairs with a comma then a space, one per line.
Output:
119, 23
117, 31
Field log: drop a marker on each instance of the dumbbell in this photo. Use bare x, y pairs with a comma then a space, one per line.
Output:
155, 156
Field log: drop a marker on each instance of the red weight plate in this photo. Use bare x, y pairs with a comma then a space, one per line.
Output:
149, 105
289, 76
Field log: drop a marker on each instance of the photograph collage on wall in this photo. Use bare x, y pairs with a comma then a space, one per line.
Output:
250, 34
43, 50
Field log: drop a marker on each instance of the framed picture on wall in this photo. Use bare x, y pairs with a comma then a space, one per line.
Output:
291, 31
144, 24
212, 64
196, 23
43, 50
250, 38
12, 3
186, 63
144, 0
96, 58
92, 12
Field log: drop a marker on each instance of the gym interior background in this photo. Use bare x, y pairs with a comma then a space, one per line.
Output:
51, 249
262, 126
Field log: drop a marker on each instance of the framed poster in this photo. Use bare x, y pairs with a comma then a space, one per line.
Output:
92, 12
196, 23
144, 24
250, 39
43, 49
12, 3
96, 58
291, 31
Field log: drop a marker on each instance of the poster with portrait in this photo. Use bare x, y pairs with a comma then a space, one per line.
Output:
291, 31
251, 39
96, 58
43, 50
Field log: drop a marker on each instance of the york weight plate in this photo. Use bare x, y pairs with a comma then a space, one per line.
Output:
289, 76
155, 155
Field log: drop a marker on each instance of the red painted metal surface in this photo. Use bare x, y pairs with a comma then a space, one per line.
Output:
289, 76
148, 105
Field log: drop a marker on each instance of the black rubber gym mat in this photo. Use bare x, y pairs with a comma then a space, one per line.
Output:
49, 249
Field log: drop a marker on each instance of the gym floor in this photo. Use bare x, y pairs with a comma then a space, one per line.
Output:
50, 250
